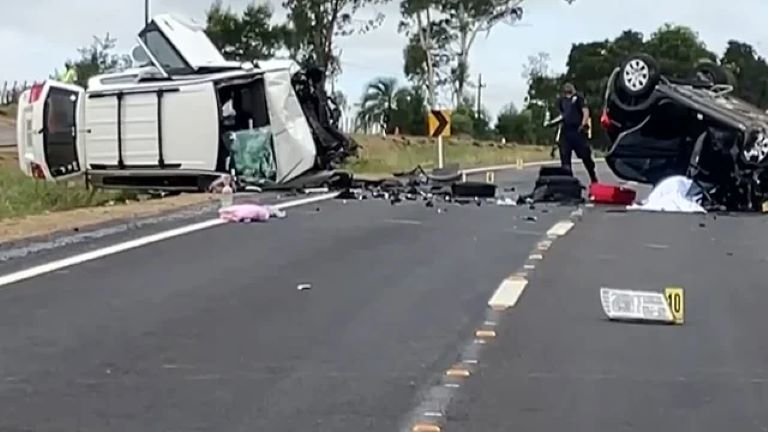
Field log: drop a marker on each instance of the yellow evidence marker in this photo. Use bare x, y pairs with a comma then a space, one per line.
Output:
676, 302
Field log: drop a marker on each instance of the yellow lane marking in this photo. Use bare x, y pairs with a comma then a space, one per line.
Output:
425, 427
485, 334
457, 372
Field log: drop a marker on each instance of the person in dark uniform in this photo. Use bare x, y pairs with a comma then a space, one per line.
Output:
573, 138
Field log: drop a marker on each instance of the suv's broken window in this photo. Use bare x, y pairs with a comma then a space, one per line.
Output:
165, 54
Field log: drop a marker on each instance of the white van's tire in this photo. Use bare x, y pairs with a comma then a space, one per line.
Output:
638, 75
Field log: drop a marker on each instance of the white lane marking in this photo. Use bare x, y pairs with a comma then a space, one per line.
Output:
141, 241
404, 221
560, 229
508, 293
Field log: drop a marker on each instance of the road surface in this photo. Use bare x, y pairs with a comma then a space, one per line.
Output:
208, 331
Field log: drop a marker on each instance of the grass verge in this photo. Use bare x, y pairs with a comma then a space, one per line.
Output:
384, 155
21, 195
8, 111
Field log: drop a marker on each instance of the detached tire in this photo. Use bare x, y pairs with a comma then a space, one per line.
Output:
638, 75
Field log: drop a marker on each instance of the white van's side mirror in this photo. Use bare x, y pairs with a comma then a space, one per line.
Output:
139, 56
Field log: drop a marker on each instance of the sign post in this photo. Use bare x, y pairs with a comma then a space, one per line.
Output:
439, 122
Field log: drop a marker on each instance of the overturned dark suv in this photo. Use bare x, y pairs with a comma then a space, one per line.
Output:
660, 126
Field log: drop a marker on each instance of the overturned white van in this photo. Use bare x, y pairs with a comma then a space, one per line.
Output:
174, 122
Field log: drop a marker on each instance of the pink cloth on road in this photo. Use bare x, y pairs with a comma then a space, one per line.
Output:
245, 213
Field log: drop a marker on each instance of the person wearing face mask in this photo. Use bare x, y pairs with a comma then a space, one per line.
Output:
574, 116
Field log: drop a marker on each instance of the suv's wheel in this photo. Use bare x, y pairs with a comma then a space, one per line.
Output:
638, 75
713, 73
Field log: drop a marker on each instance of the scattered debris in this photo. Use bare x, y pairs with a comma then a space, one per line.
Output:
635, 305
530, 218
304, 286
555, 185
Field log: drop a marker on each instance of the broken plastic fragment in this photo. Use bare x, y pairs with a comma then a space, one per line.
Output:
303, 286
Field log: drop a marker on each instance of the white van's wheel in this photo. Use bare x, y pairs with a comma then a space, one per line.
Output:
638, 75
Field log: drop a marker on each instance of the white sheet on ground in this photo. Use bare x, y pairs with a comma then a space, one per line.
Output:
673, 194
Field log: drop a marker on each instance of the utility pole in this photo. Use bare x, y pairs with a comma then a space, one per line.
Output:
146, 12
480, 87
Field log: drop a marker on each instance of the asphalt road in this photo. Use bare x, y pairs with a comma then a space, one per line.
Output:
208, 332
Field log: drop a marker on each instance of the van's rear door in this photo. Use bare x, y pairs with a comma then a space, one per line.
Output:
180, 47
52, 113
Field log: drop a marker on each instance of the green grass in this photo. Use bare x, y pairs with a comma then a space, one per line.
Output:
21, 195
380, 155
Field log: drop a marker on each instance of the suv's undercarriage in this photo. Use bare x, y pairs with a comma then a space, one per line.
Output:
661, 127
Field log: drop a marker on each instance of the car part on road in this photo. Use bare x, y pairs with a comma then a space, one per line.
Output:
632, 305
564, 189
601, 193
661, 126
473, 189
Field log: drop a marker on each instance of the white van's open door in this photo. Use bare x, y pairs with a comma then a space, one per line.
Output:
49, 118
180, 47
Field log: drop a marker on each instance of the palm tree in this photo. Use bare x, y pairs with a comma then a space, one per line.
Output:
378, 102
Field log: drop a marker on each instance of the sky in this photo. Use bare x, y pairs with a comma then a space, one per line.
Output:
42, 34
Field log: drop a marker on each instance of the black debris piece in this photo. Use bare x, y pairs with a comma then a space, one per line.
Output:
473, 189
552, 186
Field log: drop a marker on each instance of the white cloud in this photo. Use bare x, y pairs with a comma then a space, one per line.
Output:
34, 43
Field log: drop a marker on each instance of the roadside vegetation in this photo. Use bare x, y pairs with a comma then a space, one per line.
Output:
8, 112
381, 155
22, 196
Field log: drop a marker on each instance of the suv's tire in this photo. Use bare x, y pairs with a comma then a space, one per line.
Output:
638, 75
714, 73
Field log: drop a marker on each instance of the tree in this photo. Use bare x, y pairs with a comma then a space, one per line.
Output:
677, 49
313, 26
460, 21
514, 126
97, 58
417, 22
378, 102
750, 72
415, 57
410, 114
246, 37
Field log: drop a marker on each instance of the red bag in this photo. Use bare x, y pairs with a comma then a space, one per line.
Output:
602, 193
